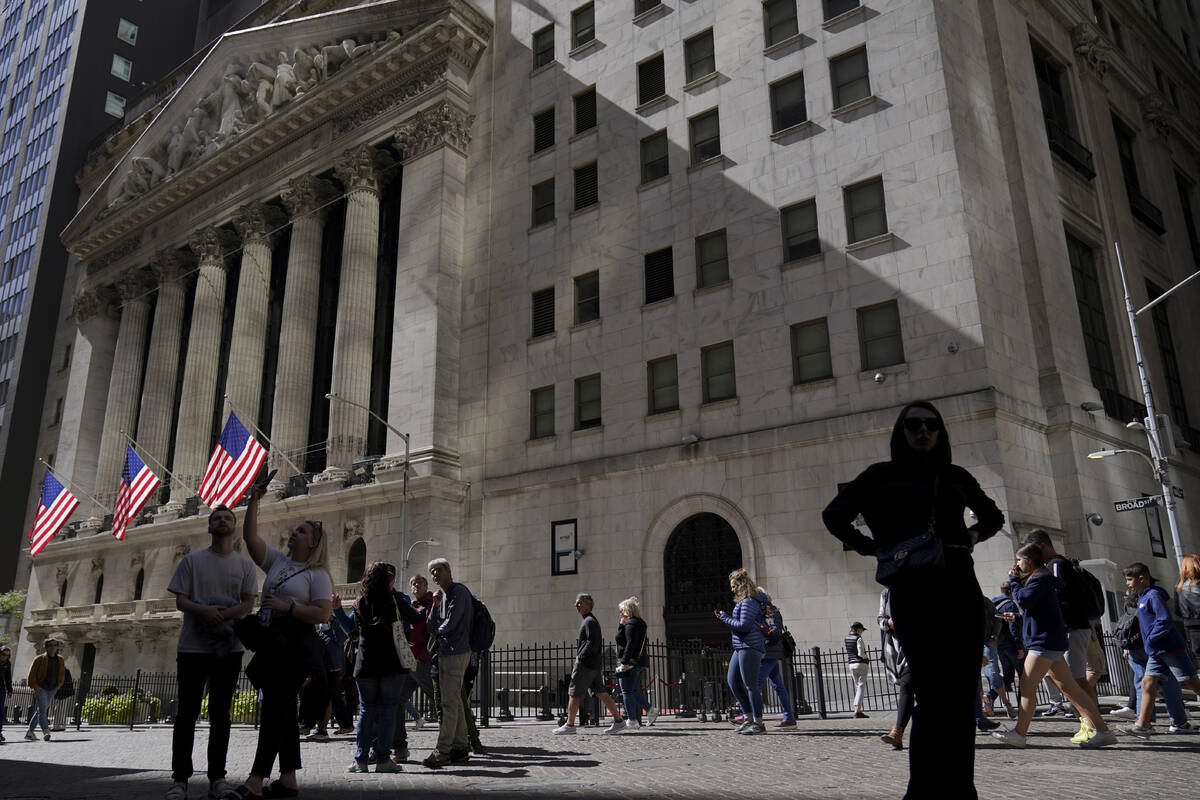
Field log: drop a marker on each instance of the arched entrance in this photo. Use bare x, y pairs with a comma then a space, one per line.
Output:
700, 553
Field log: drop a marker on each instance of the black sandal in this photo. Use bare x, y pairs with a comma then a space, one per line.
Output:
242, 793
277, 789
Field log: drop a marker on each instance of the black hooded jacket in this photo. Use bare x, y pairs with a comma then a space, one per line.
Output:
896, 497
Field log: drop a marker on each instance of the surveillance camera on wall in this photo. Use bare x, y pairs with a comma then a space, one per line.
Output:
880, 377
1095, 519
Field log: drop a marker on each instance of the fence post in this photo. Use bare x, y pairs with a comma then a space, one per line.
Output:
137, 683
484, 692
81, 690
816, 652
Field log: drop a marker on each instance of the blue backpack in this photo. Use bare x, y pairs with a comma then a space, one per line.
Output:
483, 628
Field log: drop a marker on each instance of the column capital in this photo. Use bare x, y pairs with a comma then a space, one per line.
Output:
257, 222
361, 167
133, 285
211, 244
61, 572
137, 560
92, 304
1157, 112
97, 565
437, 126
1092, 47
171, 265
305, 194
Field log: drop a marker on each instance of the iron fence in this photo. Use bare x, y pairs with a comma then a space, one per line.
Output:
687, 679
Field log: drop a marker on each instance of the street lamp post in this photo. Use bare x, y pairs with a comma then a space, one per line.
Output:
433, 542
404, 437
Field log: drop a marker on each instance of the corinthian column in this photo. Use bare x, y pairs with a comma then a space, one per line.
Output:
120, 412
304, 198
359, 170
255, 223
193, 432
162, 360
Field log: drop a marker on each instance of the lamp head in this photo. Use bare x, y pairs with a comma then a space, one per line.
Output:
1102, 454
1090, 406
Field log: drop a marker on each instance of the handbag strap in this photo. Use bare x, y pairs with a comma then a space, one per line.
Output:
937, 479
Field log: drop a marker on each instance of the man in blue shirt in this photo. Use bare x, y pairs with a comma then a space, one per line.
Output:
449, 624
1164, 644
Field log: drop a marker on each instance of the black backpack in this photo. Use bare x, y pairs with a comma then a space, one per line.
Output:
1128, 632
1086, 592
483, 627
68, 687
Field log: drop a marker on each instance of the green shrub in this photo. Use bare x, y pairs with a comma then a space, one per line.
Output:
244, 707
112, 708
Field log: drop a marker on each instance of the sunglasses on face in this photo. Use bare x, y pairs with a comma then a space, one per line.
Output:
914, 424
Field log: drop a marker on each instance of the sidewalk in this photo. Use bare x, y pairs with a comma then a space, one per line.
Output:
675, 758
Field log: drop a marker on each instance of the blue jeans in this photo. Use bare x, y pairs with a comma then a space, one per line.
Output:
771, 670
1172, 694
631, 688
43, 698
380, 699
744, 667
992, 670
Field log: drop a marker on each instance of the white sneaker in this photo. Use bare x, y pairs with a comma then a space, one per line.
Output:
1011, 738
178, 791
418, 723
564, 730
1124, 712
616, 727
1101, 739
652, 714
218, 789
1141, 733
1182, 727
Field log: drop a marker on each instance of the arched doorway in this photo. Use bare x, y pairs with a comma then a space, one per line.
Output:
356, 561
700, 554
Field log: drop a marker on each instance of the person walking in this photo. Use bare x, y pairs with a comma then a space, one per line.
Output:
1187, 602
1009, 645
6, 689
297, 595
449, 624
1128, 634
860, 665
919, 492
213, 588
46, 676
774, 658
896, 665
586, 677
632, 661
749, 646
1034, 589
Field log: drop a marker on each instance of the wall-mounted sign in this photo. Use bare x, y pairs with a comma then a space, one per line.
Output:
1136, 504
564, 541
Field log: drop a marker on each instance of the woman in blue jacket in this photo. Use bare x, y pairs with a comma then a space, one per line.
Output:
748, 649
1035, 591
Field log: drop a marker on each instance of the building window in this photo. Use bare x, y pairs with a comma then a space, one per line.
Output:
787, 103
543, 130
1139, 205
543, 46
587, 402
1166, 351
66, 359
583, 25
655, 163
865, 213
700, 60
879, 339
587, 193
4, 391
356, 561
810, 352
1057, 113
704, 133
712, 259
716, 367
779, 21
1184, 187
849, 73
121, 67
642, 6
835, 8
799, 225
587, 298
541, 412
543, 202
652, 79
662, 385
58, 408
126, 31
1094, 321
585, 110
660, 275
114, 105
99, 591
62, 595
139, 583
543, 312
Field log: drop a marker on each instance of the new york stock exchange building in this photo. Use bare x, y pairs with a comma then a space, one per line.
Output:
642, 283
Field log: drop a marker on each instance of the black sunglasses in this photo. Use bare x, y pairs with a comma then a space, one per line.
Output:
914, 424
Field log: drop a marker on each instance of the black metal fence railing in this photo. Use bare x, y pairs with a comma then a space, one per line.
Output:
687, 679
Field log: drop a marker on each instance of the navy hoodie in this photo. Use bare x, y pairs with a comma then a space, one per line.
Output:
1159, 634
1044, 627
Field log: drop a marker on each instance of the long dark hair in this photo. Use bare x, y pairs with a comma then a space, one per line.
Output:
375, 580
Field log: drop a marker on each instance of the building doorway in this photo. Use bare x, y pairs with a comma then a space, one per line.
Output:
700, 554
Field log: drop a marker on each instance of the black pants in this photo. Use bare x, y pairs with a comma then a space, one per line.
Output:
904, 699
939, 621
278, 731
221, 674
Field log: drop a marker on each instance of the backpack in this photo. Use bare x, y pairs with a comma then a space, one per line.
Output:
769, 623
789, 643
483, 628
68, 687
1128, 632
1085, 593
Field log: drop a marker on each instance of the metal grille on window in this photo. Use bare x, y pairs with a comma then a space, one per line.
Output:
865, 213
787, 103
660, 275
850, 78
701, 60
586, 191
780, 20
543, 130
712, 260
655, 163
706, 137
585, 111
543, 312
800, 239
652, 80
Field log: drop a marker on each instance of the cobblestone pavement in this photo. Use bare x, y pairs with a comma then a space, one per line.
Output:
675, 758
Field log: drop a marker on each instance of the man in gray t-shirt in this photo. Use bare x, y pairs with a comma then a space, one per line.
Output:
213, 588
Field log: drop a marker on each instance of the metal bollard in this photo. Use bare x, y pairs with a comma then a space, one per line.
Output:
505, 714
545, 714
816, 651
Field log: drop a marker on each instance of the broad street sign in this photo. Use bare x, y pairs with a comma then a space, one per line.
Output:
1136, 504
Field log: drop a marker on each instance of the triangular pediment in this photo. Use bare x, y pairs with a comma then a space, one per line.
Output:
259, 86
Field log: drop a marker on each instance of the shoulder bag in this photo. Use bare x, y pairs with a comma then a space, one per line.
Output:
918, 553
408, 661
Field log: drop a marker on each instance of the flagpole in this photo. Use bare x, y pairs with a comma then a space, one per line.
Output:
258, 430
74, 486
160, 465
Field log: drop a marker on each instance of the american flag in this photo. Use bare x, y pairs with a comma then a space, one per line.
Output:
235, 461
55, 509
137, 484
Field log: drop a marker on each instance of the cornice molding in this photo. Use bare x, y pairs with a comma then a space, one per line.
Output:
443, 125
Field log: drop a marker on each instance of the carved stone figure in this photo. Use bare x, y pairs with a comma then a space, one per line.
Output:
232, 93
285, 82
261, 78
305, 69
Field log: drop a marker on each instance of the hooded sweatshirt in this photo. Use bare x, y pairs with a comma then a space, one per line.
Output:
1159, 634
1044, 627
896, 497
744, 624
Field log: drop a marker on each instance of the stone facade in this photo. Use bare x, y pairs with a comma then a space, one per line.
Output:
425, 133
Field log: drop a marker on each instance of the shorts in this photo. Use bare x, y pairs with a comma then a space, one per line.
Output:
1177, 663
1077, 651
585, 680
1097, 661
1053, 655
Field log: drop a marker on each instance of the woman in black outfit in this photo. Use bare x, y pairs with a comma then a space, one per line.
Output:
936, 610
897, 666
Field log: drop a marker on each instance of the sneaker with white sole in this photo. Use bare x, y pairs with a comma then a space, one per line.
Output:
564, 730
418, 723
177, 791
1124, 712
1010, 738
1182, 727
617, 726
218, 789
745, 726
652, 715
1100, 739
1138, 731
1086, 733
30, 736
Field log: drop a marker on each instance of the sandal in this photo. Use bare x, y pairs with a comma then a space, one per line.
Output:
277, 789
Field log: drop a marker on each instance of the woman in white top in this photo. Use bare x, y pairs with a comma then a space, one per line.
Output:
297, 595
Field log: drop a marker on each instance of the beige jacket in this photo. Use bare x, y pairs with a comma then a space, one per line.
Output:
37, 672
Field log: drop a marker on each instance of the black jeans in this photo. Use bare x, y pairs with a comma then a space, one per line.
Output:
221, 674
278, 730
939, 621
904, 699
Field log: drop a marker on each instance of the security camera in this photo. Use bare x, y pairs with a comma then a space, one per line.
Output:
577, 553
1095, 519
880, 377
690, 439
